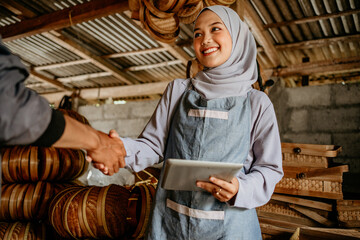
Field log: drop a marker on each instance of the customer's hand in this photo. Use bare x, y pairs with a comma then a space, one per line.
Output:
222, 190
110, 154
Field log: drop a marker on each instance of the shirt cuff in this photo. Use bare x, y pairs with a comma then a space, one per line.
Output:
53, 132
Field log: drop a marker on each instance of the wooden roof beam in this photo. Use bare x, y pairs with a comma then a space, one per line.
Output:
83, 77
113, 92
17, 9
152, 66
261, 35
53, 82
329, 66
113, 55
63, 64
86, 54
312, 19
132, 53
63, 18
318, 42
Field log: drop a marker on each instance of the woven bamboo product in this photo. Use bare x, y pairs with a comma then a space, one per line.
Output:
32, 164
90, 212
348, 213
22, 231
110, 212
308, 155
149, 175
27, 201
188, 13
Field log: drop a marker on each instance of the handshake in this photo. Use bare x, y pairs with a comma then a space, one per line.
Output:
109, 154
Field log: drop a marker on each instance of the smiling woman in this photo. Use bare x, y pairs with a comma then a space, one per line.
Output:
215, 116
212, 40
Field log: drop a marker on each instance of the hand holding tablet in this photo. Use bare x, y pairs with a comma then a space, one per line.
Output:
180, 174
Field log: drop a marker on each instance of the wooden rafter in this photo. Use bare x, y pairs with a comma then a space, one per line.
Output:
151, 66
17, 8
53, 82
334, 80
86, 54
63, 64
84, 77
132, 53
329, 66
63, 18
312, 19
113, 55
261, 35
113, 92
318, 42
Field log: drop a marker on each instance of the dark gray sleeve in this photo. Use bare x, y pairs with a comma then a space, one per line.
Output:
24, 115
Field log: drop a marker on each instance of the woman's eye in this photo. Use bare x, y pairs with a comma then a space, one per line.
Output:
215, 29
197, 35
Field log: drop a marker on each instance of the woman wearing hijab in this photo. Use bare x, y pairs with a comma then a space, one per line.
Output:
216, 116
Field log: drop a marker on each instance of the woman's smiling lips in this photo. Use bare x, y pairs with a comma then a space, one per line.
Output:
209, 51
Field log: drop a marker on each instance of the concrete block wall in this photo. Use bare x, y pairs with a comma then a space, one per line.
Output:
127, 119
328, 114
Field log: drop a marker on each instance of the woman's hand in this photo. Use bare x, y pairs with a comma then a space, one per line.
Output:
110, 156
220, 189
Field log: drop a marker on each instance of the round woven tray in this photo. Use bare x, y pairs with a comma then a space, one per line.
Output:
90, 212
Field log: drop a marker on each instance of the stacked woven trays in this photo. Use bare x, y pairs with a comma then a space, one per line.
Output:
161, 18
21, 230
111, 212
31, 176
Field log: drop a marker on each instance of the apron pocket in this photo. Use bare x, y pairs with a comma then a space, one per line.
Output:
204, 134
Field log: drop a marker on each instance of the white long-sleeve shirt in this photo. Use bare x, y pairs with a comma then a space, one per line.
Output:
263, 166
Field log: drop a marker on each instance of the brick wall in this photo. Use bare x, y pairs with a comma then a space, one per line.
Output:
328, 114
127, 119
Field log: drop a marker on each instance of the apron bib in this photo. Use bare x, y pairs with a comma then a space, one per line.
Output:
205, 130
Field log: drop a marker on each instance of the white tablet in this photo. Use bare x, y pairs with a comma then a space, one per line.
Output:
182, 174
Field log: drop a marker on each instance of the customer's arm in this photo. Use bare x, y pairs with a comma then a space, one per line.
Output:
26, 118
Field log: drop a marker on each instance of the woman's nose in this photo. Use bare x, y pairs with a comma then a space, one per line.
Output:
206, 39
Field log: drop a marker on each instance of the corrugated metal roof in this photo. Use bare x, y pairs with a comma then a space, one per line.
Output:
110, 36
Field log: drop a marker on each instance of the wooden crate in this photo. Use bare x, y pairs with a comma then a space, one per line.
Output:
311, 233
308, 155
313, 182
298, 211
348, 213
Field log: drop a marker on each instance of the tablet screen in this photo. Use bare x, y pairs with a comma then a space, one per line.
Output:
180, 174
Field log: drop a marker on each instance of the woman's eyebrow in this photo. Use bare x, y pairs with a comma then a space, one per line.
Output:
210, 25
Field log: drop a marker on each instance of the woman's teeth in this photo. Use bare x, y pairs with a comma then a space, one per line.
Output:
210, 50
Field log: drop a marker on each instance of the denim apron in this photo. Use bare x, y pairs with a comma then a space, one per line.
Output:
205, 130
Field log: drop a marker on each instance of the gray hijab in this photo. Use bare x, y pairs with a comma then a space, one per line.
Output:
239, 72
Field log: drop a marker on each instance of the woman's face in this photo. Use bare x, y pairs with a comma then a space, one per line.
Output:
212, 40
